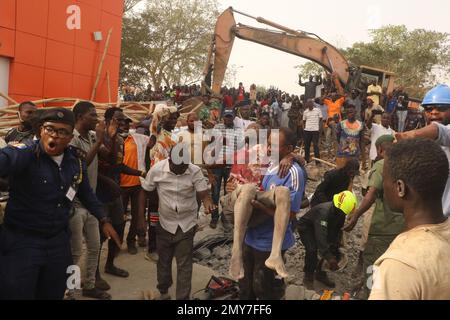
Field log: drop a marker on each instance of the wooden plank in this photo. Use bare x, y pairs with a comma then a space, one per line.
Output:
11, 100
94, 90
324, 162
109, 86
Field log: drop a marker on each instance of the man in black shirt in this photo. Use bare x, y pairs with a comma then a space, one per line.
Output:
335, 181
23, 133
320, 232
310, 87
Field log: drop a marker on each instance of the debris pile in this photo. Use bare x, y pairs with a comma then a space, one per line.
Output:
214, 250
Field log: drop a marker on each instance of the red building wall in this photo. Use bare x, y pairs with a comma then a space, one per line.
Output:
47, 60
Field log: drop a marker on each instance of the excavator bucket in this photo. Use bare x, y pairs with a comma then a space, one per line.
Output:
224, 39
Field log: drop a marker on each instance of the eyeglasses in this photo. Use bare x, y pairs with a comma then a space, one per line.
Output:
61, 133
439, 108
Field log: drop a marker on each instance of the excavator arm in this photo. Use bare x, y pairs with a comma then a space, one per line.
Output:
287, 40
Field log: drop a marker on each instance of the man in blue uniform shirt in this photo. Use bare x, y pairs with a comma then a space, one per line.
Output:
34, 239
259, 281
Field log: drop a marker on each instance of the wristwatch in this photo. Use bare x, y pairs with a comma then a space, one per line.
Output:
143, 174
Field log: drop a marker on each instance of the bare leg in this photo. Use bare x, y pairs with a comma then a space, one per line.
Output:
281, 219
242, 213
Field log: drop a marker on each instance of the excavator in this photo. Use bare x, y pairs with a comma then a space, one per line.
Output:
300, 43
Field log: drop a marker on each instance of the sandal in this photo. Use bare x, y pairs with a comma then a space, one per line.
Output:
101, 284
113, 270
96, 294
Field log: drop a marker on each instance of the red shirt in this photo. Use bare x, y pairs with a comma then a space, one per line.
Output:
228, 101
241, 94
247, 173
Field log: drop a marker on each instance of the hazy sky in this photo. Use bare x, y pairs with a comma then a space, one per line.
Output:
339, 22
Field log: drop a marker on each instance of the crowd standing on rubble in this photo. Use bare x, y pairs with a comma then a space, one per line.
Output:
73, 178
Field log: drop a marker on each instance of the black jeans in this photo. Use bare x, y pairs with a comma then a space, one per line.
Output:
259, 282
137, 197
114, 210
180, 246
311, 136
219, 175
152, 218
308, 238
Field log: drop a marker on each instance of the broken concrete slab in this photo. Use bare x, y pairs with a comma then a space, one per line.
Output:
300, 293
221, 252
202, 254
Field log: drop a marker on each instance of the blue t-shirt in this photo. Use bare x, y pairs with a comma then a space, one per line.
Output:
260, 237
391, 105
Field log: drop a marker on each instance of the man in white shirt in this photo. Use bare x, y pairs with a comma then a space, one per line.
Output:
177, 186
285, 107
275, 113
312, 120
378, 130
242, 121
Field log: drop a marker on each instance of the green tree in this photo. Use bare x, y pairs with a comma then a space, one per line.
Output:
167, 42
417, 56
261, 89
230, 76
309, 68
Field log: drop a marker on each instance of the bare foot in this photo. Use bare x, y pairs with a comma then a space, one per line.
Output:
236, 267
277, 264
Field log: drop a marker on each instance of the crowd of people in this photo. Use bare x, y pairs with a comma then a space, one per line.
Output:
176, 93
73, 178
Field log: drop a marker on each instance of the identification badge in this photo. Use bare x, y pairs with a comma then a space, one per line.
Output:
71, 193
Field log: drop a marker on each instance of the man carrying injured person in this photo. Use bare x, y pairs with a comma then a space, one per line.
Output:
258, 249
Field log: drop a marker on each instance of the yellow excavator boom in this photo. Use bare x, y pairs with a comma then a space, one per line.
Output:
291, 41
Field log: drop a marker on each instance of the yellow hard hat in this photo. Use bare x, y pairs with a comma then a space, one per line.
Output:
346, 201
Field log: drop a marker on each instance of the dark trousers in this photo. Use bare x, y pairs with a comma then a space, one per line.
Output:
311, 136
33, 267
259, 282
114, 210
219, 174
180, 246
137, 197
308, 238
152, 218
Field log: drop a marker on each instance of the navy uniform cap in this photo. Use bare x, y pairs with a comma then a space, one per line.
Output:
58, 115
228, 113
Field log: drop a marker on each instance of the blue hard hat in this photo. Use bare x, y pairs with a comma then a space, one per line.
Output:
437, 96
